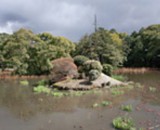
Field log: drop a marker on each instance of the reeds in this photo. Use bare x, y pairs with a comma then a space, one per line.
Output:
132, 70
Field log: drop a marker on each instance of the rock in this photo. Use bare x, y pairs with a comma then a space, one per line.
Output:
83, 84
104, 80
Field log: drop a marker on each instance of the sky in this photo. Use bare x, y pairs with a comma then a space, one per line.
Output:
75, 18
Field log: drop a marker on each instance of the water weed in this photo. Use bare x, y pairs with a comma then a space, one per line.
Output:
42, 89
119, 77
116, 92
123, 123
152, 89
127, 108
24, 82
103, 103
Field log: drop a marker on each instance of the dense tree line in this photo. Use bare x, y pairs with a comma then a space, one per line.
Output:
29, 53
144, 47
140, 49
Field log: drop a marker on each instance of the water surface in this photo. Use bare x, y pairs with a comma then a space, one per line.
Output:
21, 109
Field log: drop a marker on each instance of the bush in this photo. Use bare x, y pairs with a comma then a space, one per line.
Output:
93, 75
92, 65
62, 68
79, 60
107, 69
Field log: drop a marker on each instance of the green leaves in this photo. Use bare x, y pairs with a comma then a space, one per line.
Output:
123, 123
105, 46
28, 53
145, 47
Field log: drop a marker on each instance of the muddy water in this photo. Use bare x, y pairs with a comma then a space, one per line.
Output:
21, 109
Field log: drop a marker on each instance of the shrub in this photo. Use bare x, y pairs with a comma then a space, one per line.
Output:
62, 68
107, 69
92, 65
79, 60
93, 75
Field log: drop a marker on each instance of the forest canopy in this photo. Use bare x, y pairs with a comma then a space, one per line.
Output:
31, 54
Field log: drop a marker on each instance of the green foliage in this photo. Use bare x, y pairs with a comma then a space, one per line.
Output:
28, 53
123, 123
144, 47
106, 103
79, 60
116, 92
103, 45
24, 82
57, 94
42, 89
93, 75
103, 103
107, 69
119, 77
42, 82
127, 108
92, 65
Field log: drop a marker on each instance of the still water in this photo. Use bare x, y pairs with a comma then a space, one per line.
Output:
21, 109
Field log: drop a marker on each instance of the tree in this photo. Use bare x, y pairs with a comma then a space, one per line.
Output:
145, 47
102, 45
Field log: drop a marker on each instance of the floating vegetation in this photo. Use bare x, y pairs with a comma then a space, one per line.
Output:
103, 103
123, 123
42, 89
95, 105
127, 108
152, 89
119, 77
24, 82
57, 94
106, 103
42, 82
116, 92
130, 87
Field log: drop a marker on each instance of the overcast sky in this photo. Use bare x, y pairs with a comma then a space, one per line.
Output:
74, 18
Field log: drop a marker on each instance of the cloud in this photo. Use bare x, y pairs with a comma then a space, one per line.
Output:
74, 18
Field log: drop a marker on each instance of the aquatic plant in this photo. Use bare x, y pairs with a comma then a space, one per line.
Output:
103, 103
123, 123
42, 82
127, 108
116, 92
119, 77
24, 82
152, 89
42, 89
95, 105
106, 103
57, 94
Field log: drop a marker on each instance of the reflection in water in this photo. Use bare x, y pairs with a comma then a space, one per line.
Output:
22, 109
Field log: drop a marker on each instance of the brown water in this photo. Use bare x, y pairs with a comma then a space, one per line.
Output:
21, 109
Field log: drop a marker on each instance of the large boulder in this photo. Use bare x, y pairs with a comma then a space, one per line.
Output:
63, 68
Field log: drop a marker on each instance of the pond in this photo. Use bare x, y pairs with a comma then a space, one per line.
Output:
21, 109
